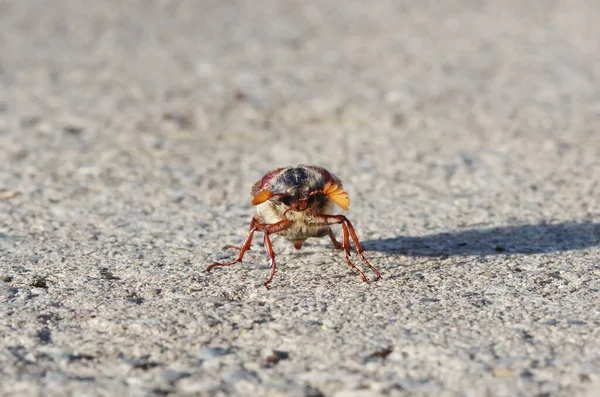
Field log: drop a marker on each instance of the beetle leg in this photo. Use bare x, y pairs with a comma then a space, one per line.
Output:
346, 246
255, 221
359, 249
348, 231
268, 230
245, 246
336, 244
271, 253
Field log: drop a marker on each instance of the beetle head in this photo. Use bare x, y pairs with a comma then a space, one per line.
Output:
300, 188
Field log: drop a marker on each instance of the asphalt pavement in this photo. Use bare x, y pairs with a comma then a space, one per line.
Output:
467, 135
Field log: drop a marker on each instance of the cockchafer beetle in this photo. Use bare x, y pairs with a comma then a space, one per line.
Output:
298, 203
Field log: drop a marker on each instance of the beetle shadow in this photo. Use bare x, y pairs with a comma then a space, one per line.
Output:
522, 239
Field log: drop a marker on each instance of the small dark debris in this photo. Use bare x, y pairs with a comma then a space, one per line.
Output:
72, 129
277, 356
527, 374
145, 365
461, 244
39, 282
6, 279
500, 248
543, 281
136, 299
382, 353
106, 274
142, 363
535, 364
526, 335
479, 303
584, 378
239, 95
576, 322
467, 160
83, 378
212, 322
79, 357
184, 121
45, 336
398, 119
556, 275
157, 391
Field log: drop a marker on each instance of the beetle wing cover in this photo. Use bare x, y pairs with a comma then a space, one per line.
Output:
326, 175
310, 177
259, 189
262, 197
337, 195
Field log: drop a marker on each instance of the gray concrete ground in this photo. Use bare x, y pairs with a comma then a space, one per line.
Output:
468, 137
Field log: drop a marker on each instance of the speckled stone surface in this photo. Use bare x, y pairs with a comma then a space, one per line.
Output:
467, 135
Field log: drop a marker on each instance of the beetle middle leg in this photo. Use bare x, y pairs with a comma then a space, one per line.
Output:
245, 246
348, 231
255, 221
267, 229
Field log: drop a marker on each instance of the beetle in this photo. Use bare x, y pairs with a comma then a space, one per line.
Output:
298, 203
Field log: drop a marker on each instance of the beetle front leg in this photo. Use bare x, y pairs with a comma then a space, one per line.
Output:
270, 229
348, 231
256, 225
245, 246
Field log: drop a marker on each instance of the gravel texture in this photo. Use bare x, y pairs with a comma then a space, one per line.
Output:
467, 134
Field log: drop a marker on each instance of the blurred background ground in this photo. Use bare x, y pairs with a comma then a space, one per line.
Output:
466, 133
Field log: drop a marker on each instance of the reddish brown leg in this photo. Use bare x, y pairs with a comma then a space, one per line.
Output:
255, 221
271, 253
267, 230
347, 229
359, 249
245, 246
336, 244
346, 246
270, 229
